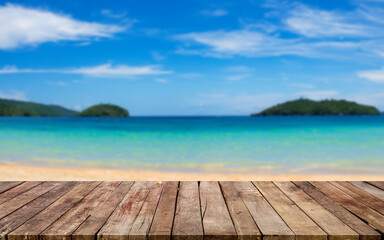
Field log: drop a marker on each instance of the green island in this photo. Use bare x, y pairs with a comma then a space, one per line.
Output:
30, 109
104, 110
303, 107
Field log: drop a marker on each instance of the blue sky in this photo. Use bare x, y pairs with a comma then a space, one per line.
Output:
189, 57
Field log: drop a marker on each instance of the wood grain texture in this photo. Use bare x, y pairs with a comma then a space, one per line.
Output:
361, 195
71, 220
269, 222
294, 217
244, 224
161, 228
188, 221
377, 184
120, 223
365, 231
143, 221
5, 186
191, 210
8, 195
26, 197
89, 229
374, 218
217, 222
375, 191
21, 215
336, 229
31, 229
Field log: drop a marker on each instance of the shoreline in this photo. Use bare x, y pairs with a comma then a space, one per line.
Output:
10, 172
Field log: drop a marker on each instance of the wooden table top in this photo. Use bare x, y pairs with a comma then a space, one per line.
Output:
191, 210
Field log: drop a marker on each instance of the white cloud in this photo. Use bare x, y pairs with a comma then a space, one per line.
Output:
161, 80
318, 95
373, 14
104, 70
215, 13
111, 14
15, 95
373, 75
237, 77
118, 70
243, 43
318, 23
157, 56
21, 26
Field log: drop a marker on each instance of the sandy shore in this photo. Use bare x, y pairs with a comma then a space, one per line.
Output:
28, 173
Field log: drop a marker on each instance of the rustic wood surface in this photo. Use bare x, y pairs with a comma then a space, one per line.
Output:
191, 210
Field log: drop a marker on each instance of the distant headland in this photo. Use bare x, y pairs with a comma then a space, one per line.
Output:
104, 110
306, 107
14, 108
30, 109
300, 107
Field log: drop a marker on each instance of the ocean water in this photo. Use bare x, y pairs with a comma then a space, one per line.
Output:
265, 145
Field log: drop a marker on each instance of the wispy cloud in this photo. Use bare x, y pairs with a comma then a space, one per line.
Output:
238, 77
242, 43
112, 14
300, 30
215, 13
319, 23
13, 94
373, 75
157, 56
22, 26
104, 70
161, 80
243, 69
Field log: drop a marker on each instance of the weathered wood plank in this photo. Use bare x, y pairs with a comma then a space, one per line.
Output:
64, 227
297, 220
217, 222
163, 220
21, 215
26, 197
245, 226
374, 218
361, 195
336, 229
88, 230
188, 221
31, 229
5, 186
120, 223
143, 221
8, 195
269, 222
365, 231
377, 184
375, 191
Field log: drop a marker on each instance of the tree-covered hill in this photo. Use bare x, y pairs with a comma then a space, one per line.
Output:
104, 110
325, 107
31, 109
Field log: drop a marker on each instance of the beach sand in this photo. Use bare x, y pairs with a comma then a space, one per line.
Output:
29, 173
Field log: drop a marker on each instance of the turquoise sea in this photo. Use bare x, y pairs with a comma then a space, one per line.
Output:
266, 145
